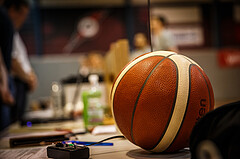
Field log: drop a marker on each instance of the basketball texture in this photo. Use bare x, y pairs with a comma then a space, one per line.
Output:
157, 99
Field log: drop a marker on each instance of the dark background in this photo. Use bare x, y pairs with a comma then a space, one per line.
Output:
48, 29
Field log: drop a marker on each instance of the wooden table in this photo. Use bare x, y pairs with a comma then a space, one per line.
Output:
121, 149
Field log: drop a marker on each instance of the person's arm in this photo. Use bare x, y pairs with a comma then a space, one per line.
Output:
29, 78
32, 81
5, 94
3, 76
21, 67
18, 71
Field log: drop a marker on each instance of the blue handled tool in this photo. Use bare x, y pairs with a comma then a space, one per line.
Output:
88, 143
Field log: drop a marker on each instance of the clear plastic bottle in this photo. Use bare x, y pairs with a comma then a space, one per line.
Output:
93, 109
56, 96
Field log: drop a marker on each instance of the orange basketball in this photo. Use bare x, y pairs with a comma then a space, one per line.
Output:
157, 99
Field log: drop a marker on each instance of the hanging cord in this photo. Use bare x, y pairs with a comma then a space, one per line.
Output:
149, 27
110, 138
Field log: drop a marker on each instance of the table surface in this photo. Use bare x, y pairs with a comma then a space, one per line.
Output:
122, 148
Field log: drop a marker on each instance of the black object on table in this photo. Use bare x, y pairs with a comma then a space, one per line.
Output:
217, 134
67, 151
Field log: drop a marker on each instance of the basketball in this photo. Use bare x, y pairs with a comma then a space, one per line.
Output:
158, 97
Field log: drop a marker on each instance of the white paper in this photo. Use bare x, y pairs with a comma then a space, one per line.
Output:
24, 153
104, 129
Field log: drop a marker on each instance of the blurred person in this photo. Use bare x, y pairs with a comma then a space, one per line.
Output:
5, 94
6, 83
141, 45
96, 62
6, 37
161, 38
24, 76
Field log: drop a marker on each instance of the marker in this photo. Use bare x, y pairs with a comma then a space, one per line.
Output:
87, 143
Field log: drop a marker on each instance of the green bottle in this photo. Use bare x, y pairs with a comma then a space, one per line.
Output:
93, 111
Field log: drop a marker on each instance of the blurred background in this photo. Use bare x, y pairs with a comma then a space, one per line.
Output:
206, 30
62, 36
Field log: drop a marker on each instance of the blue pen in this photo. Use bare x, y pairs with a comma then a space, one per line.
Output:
88, 143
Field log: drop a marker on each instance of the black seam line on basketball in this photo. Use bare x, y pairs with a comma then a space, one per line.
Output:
128, 70
190, 66
188, 60
207, 86
173, 106
135, 105
170, 55
131, 68
126, 73
142, 90
187, 102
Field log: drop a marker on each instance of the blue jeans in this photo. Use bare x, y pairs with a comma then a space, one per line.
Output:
5, 110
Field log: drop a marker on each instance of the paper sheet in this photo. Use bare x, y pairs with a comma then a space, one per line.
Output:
104, 129
24, 153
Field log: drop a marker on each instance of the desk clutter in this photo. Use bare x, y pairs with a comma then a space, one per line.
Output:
216, 135
67, 151
38, 139
157, 99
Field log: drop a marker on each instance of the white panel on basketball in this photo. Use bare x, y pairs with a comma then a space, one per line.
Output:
180, 105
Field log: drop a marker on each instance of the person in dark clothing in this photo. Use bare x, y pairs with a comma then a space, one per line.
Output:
6, 37
24, 76
6, 84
